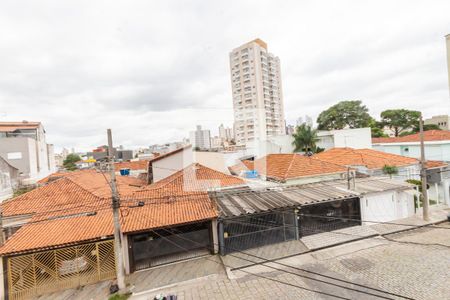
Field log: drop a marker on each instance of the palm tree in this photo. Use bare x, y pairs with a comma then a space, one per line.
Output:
305, 138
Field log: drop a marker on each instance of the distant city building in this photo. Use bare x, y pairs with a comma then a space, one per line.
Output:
225, 133
257, 93
200, 138
306, 120
443, 121
101, 153
217, 142
23, 146
290, 129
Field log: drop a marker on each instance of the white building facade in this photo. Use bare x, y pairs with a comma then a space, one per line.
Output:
257, 93
200, 138
23, 146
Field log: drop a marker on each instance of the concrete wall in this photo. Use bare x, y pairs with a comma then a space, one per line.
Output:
25, 162
433, 151
387, 206
168, 165
358, 138
33, 158
8, 180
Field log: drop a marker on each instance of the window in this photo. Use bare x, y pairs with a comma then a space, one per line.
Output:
14, 155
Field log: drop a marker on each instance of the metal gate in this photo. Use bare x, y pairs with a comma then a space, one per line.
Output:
49, 271
329, 216
257, 230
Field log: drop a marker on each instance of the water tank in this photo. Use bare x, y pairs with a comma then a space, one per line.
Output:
124, 172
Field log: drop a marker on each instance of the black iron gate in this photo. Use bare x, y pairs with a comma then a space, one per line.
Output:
329, 216
169, 245
257, 230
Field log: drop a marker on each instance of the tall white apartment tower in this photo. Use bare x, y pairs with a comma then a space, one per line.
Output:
257, 93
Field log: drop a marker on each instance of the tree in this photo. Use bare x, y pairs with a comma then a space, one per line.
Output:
390, 170
377, 129
351, 114
69, 162
400, 120
305, 138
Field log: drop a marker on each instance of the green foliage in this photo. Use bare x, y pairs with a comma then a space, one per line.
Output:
23, 190
69, 162
119, 296
390, 170
196, 149
377, 129
305, 139
400, 120
351, 114
417, 129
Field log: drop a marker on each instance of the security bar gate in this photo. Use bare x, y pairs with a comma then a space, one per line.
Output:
257, 230
329, 216
50, 271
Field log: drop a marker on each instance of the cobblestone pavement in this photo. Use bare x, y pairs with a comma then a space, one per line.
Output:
400, 264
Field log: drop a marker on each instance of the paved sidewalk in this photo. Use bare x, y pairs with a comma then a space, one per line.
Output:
419, 271
270, 252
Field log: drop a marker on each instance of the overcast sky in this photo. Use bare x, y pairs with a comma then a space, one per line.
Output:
152, 70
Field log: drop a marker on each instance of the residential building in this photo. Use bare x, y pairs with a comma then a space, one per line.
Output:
225, 133
101, 153
298, 211
169, 163
437, 145
9, 180
200, 138
78, 240
358, 138
289, 169
257, 93
217, 143
443, 121
23, 146
371, 162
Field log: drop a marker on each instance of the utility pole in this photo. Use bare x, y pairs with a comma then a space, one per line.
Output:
348, 178
115, 206
423, 173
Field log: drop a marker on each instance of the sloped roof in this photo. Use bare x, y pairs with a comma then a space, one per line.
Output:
132, 165
59, 208
371, 159
179, 198
431, 164
290, 166
193, 178
13, 126
428, 136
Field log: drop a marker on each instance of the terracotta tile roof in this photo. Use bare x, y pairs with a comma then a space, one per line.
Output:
132, 165
243, 165
431, 164
290, 166
52, 177
56, 207
428, 136
45, 234
12, 126
368, 158
194, 178
169, 210
87, 185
